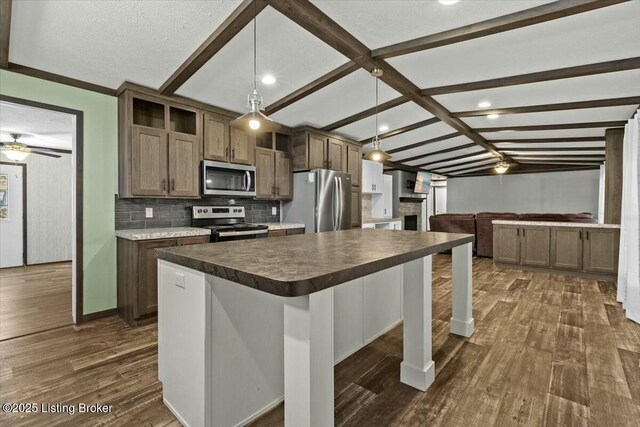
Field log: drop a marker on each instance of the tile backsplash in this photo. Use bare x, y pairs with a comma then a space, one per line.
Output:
130, 213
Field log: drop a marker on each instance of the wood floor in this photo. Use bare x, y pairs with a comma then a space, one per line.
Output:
34, 298
548, 350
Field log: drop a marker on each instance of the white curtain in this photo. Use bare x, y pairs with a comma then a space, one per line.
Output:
629, 264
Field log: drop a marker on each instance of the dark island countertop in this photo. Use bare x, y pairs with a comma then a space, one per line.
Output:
302, 264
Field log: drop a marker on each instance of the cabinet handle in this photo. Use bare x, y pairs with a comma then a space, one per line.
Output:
523, 232
587, 235
226, 152
518, 232
173, 184
164, 184
580, 235
273, 190
233, 153
277, 191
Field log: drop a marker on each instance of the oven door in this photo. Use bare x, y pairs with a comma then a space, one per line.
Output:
226, 179
227, 236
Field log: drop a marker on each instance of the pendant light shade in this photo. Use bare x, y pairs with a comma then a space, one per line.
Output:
376, 154
255, 121
501, 167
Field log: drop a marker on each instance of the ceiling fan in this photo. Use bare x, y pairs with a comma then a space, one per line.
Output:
17, 151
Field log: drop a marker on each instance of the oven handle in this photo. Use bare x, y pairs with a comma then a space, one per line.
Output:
248, 181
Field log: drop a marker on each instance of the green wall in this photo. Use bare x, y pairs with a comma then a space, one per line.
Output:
100, 177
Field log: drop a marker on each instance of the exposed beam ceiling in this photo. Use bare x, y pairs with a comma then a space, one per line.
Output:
475, 164
536, 15
367, 113
425, 142
57, 78
5, 32
231, 26
541, 76
585, 125
435, 153
611, 102
317, 23
452, 159
547, 140
317, 84
401, 166
560, 162
403, 129
558, 156
527, 149
520, 170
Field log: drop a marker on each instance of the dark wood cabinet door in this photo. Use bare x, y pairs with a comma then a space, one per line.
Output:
148, 276
149, 162
335, 154
292, 231
216, 138
283, 176
185, 153
535, 246
195, 240
277, 233
354, 160
243, 147
600, 254
566, 248
506, 244
356, 208
265, 173
317, 151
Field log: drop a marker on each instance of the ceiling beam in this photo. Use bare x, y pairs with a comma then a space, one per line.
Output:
475, 164
309, 17
549, 140
366, 113
57, 78
541, 76
598, 103
527, 149
519, 170
558, 156
231, 26
559, 162
435, 153
401, 166
314, 86
5, 32
583, 125
425, 142
453, 159
403, 129
524, 18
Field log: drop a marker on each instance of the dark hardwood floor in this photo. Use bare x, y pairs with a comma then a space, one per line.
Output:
548, 350
34, 298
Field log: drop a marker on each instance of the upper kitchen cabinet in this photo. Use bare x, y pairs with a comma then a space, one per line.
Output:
159, 147
243, 147
372, 180
353, 154
336, 158
274, 175
225, 144
312, 149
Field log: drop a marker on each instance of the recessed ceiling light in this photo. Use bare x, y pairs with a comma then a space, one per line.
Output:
383, 128
493, 116
484, 104
448, 2
268, 79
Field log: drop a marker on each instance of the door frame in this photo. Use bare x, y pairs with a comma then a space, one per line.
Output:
77, 158
24, 207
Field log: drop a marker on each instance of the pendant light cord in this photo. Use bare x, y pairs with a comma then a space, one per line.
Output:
376, 108
255, 72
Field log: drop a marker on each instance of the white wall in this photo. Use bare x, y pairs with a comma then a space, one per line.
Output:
49, 208
561, 192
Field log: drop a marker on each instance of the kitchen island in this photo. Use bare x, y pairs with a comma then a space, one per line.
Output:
243, 324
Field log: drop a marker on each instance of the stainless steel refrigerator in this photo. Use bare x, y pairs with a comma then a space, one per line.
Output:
321, 201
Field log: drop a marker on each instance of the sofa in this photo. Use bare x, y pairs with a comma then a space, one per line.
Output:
481, 224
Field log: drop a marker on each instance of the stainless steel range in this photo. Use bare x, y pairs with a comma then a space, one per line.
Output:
226, 223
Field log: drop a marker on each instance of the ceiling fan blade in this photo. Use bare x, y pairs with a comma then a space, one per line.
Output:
46, 153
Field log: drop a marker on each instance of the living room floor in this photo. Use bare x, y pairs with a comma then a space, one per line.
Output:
548, 350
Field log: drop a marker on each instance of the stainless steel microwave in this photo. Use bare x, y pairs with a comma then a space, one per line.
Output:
227, 179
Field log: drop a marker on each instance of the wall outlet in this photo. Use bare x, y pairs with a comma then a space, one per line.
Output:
274, 211
148, 212
232, 201
179, 280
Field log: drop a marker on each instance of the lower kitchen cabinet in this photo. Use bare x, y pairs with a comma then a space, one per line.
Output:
287, 232
535, 246
566, 248
138, 275
601, 251
356, 208
506, 244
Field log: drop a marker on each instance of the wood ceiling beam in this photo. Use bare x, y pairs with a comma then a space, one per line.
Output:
403, 167
425, 142
312, 19
403, 129
435, 153
512, 21
475, 164
584, 125
57, 78
231, 26
528, 149
5, 32
598, 103
559, 162
558, 156
548, 140
491, 171
541, 76
314, 86
453, 159
366, 113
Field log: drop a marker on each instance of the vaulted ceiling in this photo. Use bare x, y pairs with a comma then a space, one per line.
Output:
556, 74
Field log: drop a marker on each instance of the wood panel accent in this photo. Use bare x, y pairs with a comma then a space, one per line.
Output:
435, 153
566, 248
231, 26
540, 76
403, 129
596, 103
512, 21
5, 31
546, 140
323, 81
425, 142
613, 175
535, 246
367, 113
57, 78
582, 125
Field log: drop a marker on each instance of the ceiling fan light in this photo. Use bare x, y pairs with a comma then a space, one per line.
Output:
501, 167
16, 154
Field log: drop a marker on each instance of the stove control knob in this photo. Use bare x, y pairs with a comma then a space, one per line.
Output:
206, 210
199, 210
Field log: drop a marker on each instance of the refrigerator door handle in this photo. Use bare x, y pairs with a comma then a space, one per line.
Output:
336, 202
339, 203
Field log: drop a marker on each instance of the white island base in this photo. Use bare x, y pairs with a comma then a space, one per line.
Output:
229, 353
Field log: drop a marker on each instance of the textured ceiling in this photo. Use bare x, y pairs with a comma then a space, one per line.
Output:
44, 128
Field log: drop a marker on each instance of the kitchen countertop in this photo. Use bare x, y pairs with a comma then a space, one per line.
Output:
306, 263
380, 220
161, 233
281, 225
555, 224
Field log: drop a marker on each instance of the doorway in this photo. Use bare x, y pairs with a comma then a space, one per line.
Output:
40, 217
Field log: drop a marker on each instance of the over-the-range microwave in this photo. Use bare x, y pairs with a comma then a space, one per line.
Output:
227, 179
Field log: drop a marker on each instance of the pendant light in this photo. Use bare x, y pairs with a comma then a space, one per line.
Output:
255, 121
501, 167
376, 154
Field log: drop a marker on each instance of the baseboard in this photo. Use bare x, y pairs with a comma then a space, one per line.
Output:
174, 412
98, 315
596, 276
251, 418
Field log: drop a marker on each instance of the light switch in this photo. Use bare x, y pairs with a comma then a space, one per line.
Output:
179, 280
311, 177
148, 212
274, 211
